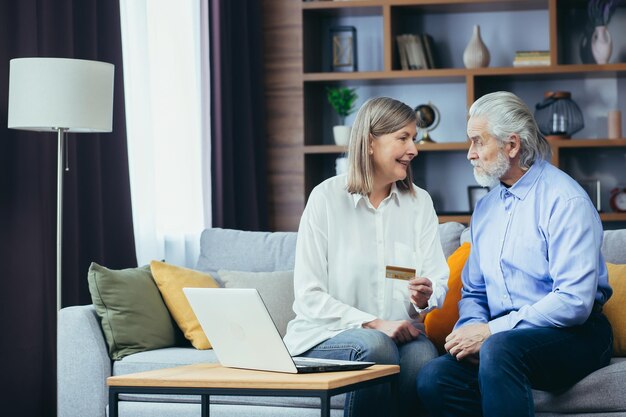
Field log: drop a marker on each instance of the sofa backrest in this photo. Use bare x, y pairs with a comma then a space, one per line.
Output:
238, 250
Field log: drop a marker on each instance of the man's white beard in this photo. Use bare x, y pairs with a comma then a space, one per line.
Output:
489, 175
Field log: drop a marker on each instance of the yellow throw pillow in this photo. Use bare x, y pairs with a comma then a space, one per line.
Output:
614, 308
171, 280
440, 321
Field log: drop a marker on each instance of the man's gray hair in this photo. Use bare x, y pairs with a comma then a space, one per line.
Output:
507, 114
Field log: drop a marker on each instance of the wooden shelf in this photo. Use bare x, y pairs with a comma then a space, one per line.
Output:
461, 73
587, 143
431, 5
325, 149
613, 217
460, 218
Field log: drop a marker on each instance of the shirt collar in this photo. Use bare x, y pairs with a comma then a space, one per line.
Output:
523, 186
393, 193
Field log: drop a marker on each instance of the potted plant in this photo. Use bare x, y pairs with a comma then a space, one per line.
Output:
342, 100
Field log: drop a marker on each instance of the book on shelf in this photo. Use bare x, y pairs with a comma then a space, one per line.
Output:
531, 53
415, 51
429, 47
531, 58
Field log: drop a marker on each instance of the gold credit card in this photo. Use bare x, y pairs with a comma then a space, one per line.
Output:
398, 272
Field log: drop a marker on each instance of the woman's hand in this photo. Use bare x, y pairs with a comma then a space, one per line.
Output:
420, 290
401, 331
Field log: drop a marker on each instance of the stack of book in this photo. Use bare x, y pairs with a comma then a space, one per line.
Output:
416, 51
531, 58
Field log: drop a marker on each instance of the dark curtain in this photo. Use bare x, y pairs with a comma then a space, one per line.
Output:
238, 144
97, 210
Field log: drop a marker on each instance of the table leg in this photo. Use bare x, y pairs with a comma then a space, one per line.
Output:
205, 401
325, 405
395, 409
113, 397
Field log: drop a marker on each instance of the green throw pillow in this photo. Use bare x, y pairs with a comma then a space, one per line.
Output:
133, 315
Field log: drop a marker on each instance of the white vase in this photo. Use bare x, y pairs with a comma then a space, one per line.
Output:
476, 54
601, 45
342, 135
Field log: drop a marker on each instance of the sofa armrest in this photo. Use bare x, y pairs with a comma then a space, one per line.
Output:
83, 363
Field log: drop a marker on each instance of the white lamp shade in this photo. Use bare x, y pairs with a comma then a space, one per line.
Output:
50, 93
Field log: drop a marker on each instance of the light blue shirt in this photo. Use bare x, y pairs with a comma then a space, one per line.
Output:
535, 259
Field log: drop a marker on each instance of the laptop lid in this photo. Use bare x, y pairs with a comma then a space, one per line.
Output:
240, 328
243, 334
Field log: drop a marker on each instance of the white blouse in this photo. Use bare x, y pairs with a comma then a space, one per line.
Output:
343, 247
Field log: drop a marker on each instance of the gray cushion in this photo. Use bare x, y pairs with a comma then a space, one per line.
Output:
450, 235
133, 315
237, 250
275, 288
614, 246
601, 392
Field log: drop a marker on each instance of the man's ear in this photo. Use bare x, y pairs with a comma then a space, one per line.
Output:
515, 144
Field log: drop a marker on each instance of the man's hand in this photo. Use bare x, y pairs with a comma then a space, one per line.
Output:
401, 331
420, 290
466, 341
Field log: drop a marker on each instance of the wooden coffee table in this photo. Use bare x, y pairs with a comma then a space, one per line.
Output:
212, 379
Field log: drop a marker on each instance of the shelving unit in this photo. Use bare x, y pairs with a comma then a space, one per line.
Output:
540, 25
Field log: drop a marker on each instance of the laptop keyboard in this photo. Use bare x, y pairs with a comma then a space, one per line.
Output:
311, 363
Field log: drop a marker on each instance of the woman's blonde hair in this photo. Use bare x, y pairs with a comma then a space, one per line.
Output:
376, 117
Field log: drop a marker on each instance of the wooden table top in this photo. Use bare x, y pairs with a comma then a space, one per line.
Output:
212, 375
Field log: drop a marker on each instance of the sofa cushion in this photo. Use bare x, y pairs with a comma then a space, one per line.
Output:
132, 313
602, 392
449, 235
237, 250
440, 322
614, 308
613, 246
275, 288
171, 280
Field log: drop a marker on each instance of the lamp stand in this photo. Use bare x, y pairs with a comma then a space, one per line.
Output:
61, 146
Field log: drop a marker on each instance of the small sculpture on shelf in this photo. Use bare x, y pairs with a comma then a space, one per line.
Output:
342, 100
427, 119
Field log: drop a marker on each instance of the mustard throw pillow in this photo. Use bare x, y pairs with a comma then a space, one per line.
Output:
440, 322
171, 280
614, 308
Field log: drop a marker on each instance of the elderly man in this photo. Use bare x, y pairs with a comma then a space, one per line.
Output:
535, 281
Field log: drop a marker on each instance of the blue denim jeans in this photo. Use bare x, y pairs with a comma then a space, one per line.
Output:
511, 364
373, 345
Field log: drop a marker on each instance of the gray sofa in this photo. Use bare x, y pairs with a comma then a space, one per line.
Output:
84, 364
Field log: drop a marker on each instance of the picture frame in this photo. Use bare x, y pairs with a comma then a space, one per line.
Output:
475, 193
343, 49
592, 187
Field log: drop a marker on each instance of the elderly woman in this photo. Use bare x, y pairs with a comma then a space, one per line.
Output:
352, 229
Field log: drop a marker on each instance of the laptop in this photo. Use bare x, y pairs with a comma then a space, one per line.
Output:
243, 335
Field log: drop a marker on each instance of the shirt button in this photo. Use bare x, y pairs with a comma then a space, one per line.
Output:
505, 296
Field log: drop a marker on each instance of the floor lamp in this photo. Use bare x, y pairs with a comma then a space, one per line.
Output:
60, 95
